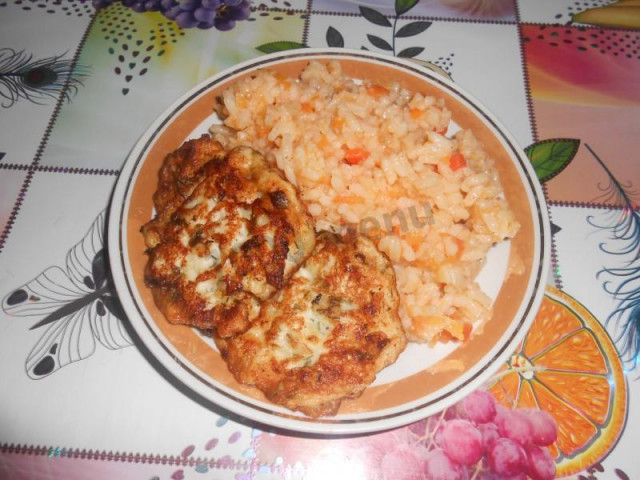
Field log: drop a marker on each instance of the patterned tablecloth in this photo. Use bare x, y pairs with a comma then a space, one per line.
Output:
78, 88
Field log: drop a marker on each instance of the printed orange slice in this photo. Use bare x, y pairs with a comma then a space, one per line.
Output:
568, 366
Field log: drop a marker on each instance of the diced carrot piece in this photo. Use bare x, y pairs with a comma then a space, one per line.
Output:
283, 80
415, 238
336, 124
460, 245
322, 142
467, 328
376, 91
349, 199
397, 191
457, 161
307, 107
425, 263
355, 156
455, 329
428, 322
445, 337
415, 113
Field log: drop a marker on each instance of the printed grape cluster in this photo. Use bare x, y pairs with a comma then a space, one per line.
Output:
480, 439
205, 14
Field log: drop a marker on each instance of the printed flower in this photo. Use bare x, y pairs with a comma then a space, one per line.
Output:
221, 14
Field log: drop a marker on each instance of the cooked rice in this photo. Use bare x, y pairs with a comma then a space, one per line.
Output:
436, 222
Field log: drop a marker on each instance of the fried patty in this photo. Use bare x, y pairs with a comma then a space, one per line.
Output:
326, 334
181, 171
228, 233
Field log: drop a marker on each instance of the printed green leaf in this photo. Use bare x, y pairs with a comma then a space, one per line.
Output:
334, 38
403, 6
550, 157
411, 52
413, 28
381, 43
375, 17
279, 46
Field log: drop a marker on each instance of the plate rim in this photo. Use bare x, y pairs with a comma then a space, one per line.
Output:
172, 364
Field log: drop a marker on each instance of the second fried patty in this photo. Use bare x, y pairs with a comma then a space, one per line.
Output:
327, 333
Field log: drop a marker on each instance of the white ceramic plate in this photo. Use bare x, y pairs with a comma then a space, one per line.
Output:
424, 380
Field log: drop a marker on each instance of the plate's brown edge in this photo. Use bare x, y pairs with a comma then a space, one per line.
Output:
199, 106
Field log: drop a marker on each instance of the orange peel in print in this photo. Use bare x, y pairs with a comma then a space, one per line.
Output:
568, 366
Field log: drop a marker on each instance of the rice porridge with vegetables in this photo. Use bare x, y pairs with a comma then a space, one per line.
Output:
384, 161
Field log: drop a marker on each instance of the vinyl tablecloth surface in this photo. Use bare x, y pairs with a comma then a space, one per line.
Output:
79, 87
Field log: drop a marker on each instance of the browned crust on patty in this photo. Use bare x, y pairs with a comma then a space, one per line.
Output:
181, 171
326, 334
228, 233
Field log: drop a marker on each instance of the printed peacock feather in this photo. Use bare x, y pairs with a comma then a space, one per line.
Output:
623, 283
22, 76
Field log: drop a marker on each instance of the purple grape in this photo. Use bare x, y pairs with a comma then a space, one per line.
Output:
229, 14
501, 411
489, 433
540, 464
224, 24
438, 466
479, 407
462, 442
402, 462
186, 20
221, 14
242, 11
141, 6
189, 5
152, 5
544, 429
515, 425
172, 13
205, 25
506, 457
205, 15
495, 476
101, 3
